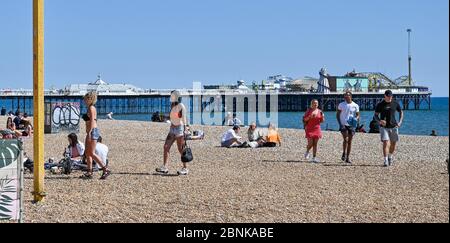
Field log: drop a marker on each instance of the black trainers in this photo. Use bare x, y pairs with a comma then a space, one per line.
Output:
86, 176
348, 161
105, 174
343, 158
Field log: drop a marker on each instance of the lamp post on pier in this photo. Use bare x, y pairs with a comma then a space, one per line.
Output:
409, 57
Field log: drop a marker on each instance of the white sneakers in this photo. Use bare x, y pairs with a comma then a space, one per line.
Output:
314, 159
162, 169
307, 156
183, 171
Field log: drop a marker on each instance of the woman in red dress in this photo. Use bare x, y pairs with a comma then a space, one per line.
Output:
312, 120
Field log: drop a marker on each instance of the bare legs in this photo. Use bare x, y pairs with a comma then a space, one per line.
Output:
91, 156
168, 145
312, 144
389, 148
315, 143
347, 145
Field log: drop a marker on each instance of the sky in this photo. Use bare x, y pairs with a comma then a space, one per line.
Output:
169, 44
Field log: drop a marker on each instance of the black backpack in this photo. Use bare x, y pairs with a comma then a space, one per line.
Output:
66, 165
29, 165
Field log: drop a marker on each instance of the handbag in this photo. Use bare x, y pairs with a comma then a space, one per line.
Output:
186, 155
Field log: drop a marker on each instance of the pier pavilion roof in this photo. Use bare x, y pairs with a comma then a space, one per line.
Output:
103, 88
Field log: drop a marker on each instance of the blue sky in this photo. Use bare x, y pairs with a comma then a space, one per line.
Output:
169, 44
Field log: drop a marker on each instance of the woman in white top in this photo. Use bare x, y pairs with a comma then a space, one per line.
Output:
178, 122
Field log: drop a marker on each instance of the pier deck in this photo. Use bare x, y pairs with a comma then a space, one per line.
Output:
148, 103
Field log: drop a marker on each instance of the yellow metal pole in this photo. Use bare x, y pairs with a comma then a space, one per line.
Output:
38, 97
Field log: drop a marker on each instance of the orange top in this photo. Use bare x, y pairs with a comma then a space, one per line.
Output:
273, 137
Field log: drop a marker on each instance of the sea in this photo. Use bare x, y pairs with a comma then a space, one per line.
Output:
418, 122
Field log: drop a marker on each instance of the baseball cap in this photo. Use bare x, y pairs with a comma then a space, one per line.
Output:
388, 93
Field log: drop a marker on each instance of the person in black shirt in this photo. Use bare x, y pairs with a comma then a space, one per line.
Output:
433, 133
17, 121
385, 114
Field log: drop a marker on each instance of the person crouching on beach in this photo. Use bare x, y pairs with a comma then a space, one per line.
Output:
347, 117
388, 125
231, 139
312, 120
92, 135
178, 123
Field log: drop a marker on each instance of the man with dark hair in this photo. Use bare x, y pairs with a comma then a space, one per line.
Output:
389, 125
231, 139
347, 117
18, 121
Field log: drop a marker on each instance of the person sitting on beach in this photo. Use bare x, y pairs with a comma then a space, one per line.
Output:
228, 120
109, 116
17, 120
273, 137
236, 121
433, 133
27, 128
193, 135
11, 127
360, 129
3, 111
230, 138
374, 126
75, 149
255, 138
313, 118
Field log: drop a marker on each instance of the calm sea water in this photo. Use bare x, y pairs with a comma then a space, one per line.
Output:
415, 122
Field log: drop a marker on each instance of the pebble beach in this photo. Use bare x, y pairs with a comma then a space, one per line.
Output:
264, 185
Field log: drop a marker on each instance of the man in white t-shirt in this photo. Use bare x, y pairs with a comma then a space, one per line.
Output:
230, 138
348, 116
102, 151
